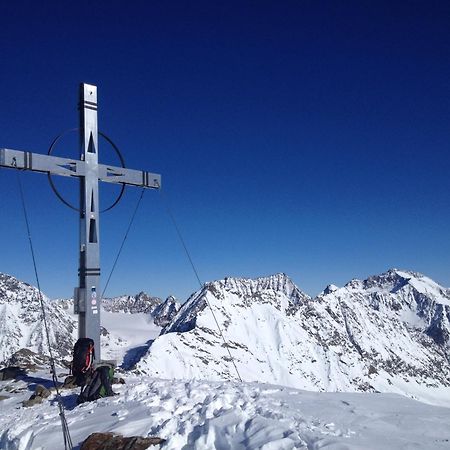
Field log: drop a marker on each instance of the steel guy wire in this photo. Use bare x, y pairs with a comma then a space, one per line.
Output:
67, 439
123, 241
180, 236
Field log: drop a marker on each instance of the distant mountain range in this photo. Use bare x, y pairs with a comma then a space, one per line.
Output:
387, 333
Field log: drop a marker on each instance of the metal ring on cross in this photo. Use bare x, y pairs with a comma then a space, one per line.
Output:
52, 184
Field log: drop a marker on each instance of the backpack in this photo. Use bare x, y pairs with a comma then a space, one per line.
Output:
83, 357
98, 385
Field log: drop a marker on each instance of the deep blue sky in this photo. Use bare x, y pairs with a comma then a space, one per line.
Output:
305, 137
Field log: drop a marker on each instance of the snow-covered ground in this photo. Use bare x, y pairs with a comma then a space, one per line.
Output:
230, 416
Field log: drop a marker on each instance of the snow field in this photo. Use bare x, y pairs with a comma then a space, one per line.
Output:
126, 331
232, 416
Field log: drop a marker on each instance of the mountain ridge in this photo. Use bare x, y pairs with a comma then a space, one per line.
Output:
388, 333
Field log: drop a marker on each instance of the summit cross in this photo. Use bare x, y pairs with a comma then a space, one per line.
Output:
89, 172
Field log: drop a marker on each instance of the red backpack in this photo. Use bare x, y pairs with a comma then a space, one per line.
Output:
83, 357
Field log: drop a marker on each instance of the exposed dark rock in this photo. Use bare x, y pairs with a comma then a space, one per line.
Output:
40, 393
11, 373
165, 312
28, 359
70, 382
111, 441
33, 400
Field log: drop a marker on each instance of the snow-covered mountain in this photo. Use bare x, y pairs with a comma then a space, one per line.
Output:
22, 327
388, 333
21, 324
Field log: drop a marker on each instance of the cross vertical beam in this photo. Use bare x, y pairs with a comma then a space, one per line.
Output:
87, 295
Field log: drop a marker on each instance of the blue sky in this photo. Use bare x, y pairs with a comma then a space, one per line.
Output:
306, 137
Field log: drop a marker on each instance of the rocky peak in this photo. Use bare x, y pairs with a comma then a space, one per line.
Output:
11, 289
139, 303
329, 289
277, 290
166, 311
279, 282
390, 281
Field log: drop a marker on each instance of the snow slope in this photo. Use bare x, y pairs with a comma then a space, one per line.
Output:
232, 416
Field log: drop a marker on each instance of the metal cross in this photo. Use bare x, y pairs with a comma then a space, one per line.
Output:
87, 169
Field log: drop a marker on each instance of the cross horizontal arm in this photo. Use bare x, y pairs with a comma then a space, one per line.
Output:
36, 162
133, 177
55, 165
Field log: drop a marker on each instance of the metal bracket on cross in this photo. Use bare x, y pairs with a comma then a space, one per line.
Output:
89, 172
